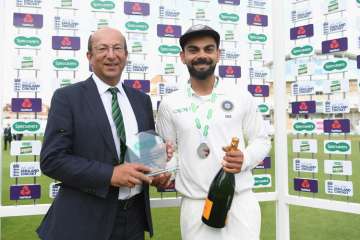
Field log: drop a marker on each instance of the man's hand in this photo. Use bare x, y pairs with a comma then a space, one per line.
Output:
169, 150
233, 161
162, 180
129, 175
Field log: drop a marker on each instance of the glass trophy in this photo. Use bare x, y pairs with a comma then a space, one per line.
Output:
149, 149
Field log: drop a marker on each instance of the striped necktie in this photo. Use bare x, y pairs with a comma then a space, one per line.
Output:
119, 121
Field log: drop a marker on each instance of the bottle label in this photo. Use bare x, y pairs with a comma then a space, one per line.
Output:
207, 209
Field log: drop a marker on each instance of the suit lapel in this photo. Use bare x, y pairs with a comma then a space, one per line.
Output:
98, 112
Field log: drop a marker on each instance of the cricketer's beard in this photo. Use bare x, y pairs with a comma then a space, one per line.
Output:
201, 75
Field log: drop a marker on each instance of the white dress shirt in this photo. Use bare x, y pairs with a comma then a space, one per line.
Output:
130, 123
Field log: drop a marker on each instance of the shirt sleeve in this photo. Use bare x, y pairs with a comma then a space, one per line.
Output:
165, 126
257, 136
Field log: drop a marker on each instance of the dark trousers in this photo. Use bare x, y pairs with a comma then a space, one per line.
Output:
130, 220
6, 141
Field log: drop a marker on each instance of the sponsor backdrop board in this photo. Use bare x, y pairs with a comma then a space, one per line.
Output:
50, 39
322, 72
46, 47
47, 43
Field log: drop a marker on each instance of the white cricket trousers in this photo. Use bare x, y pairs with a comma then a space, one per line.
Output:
243, 220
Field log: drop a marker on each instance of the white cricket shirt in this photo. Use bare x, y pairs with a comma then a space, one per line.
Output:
235, 115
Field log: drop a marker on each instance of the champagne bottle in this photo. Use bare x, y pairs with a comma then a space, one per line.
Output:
220, 195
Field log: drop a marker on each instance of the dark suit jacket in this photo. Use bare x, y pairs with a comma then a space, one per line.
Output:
7, 133
79, 151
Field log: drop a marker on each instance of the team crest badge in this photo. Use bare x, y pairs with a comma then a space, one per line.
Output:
227, 105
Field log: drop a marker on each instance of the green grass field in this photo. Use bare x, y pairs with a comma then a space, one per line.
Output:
305, 223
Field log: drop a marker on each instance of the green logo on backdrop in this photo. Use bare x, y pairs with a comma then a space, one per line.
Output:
304, 146
25, 144
335, 85
307, 126
263, 108
27, 41
137, 47
303, 69
297, 51
338, 167
257, 37
264, 181
65, 82
171, 49
333, 5
169, 68
108, 5
62, 63
25, 148
232, 17
257, 54
341, 147
141, 26
29, 126
338, 65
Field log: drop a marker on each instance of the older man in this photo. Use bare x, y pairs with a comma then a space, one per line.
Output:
102, 196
